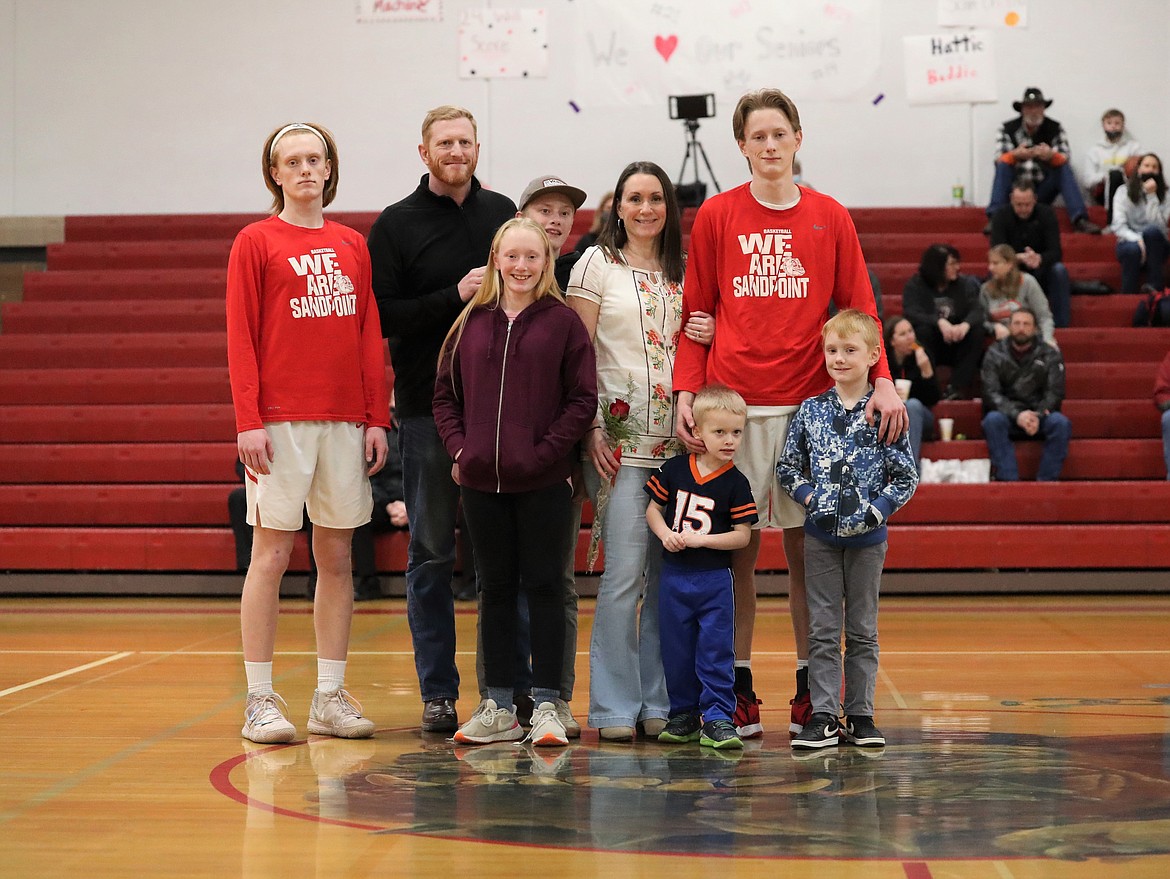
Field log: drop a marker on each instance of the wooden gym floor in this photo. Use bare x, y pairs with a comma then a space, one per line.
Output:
1029, 737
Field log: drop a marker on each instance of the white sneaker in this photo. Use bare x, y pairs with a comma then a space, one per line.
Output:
490, 723
338, 714
568, 721
547, 729
265, 722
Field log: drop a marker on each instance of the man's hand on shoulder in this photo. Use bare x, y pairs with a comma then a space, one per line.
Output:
885, 401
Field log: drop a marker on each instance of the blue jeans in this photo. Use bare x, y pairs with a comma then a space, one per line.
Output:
626, 680
1129, 254
999, 432
1166, 440
921, 421
1053, 280
1057, 181
432, 501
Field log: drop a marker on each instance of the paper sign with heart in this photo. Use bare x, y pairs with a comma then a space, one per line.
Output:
666, 46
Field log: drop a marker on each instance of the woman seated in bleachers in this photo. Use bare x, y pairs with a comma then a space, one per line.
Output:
1140, 212
943, 305
1008, 290
909, 360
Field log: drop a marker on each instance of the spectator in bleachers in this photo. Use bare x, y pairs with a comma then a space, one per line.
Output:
909, 360
590, 238
1162, 401
1023, 389
1034, 147
1007, 290
943, 305
1032, 231
1140, 212
1111, 160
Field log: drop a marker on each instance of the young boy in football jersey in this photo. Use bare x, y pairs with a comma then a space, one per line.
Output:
308, 380
849, 483
701, 508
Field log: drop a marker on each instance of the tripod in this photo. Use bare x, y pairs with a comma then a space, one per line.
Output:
694, 150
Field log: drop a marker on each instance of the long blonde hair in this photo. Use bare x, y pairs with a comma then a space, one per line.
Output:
1010, 285
492, 289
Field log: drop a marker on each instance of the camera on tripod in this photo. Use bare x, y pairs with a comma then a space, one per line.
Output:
690, 109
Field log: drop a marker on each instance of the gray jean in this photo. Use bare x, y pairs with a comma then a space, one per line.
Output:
843, 586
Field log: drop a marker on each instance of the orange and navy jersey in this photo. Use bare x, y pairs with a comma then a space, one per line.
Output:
711, 504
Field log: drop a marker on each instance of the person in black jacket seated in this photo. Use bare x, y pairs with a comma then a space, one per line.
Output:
943, 306
1032, 231
909, 360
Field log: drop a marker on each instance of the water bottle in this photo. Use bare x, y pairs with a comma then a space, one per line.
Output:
957, 195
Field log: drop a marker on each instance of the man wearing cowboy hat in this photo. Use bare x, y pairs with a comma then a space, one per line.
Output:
1034, 147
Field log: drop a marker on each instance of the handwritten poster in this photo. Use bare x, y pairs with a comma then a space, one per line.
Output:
399, 10
498, 43
950, 68
982, 13
640, 53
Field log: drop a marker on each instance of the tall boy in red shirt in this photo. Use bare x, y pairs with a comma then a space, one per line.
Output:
309, 387
767, 258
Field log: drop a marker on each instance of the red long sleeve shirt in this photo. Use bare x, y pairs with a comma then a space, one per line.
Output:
304, 339
768, 277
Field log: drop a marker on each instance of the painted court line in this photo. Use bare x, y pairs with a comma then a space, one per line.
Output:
64, 674
898, 700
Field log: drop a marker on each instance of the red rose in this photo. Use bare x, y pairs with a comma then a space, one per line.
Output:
619, 409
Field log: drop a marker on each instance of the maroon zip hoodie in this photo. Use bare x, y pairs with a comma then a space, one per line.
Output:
517, 396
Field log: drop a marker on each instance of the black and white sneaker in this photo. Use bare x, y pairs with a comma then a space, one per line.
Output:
859, 730
821, 731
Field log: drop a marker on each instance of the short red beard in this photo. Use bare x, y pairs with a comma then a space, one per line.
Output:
453, 175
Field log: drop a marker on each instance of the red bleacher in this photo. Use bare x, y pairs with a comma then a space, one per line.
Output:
116, 430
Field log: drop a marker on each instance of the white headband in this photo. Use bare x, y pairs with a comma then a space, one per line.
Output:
296, 126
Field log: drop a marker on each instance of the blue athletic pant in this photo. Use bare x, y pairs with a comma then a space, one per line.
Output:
696, 612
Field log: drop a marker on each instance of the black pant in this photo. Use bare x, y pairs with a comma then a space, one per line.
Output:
521, 538
962, 356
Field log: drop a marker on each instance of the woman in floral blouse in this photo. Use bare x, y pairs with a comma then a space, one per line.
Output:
628, 291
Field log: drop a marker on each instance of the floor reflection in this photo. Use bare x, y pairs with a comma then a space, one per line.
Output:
940, 796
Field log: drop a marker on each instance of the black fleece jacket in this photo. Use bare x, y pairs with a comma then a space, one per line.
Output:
420, 248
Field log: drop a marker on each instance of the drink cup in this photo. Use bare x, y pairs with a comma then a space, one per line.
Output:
903, 387
946, 427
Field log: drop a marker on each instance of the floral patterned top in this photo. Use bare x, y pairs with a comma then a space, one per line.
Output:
637, 334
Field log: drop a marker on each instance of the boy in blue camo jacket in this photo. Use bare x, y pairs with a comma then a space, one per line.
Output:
850, 483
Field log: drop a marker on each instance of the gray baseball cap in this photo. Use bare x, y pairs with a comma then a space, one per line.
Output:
551, 183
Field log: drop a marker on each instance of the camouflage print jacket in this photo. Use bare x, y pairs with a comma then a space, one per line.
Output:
849, 481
